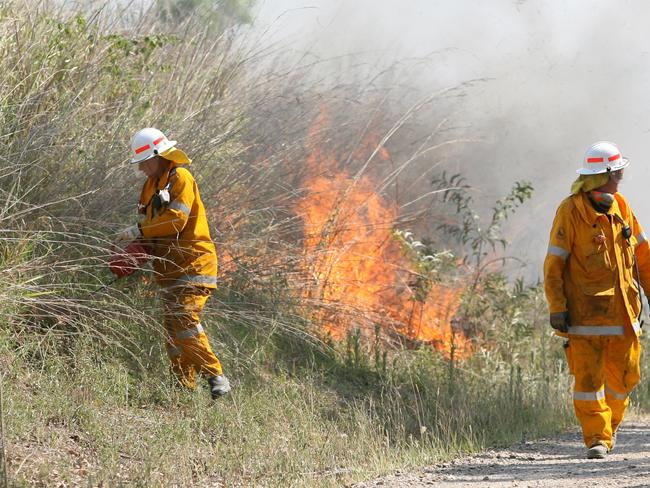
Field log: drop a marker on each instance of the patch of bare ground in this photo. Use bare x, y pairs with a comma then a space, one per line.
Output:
62, 464
555, 462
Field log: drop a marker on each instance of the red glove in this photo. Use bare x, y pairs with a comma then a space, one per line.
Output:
124, 262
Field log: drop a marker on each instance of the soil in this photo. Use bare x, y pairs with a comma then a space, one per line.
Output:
555, 462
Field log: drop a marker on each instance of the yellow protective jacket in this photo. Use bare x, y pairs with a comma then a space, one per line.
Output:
178, 231
589, 267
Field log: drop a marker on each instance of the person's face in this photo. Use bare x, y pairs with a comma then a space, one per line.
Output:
611, 186
151, 167
617, 175
615, 178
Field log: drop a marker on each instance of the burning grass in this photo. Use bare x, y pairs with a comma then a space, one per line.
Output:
356, 270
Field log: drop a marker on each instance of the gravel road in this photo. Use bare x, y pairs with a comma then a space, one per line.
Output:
556, 462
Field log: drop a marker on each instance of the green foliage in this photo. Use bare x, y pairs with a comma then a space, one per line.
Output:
218, 14
127, 59
428, 265
468, 230
75, 92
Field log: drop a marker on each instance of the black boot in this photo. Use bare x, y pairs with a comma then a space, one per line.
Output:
219, 386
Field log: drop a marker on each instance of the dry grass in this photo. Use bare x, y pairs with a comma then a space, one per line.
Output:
85, 417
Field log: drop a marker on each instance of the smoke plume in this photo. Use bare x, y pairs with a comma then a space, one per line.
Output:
546, 79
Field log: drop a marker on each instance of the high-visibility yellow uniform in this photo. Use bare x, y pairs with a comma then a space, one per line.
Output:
186, 267
178, 231
589, 272
187, 344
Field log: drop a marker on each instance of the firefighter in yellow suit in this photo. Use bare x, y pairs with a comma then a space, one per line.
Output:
597, 250
174, 225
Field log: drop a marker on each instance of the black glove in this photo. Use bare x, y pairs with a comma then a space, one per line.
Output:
560, 321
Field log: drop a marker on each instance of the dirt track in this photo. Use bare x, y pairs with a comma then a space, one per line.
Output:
556, 462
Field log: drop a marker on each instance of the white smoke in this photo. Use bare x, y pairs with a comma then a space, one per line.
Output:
559, 76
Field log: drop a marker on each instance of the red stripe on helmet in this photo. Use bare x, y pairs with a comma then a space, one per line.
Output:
155, 143
595, 160
142, 148
614, 158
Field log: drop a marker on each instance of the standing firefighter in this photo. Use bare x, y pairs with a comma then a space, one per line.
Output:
174, 225
597, 250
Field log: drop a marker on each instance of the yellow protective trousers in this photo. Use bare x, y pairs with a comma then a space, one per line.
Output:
187, 344
606, 370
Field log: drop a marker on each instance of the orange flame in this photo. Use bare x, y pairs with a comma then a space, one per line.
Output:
357, 269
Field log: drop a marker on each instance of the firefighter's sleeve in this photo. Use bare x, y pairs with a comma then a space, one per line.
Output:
171, 221
559, 250
642, 253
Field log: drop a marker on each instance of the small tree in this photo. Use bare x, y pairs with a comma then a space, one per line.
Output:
220, 14
468, 230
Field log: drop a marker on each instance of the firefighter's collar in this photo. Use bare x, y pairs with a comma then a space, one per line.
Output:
589, 213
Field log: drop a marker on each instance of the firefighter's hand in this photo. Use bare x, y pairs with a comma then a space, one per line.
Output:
560, 321
131, 233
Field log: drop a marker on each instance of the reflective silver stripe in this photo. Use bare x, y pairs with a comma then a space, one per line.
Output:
173, 351
558, 251
597, 330
195, 280
618, 396
589, 396
636, 326
186, 334
175, 205
641, 238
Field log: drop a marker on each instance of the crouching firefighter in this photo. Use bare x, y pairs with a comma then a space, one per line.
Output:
174, 226
597, 256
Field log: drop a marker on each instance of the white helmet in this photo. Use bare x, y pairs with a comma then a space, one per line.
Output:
602, 157
147, 143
